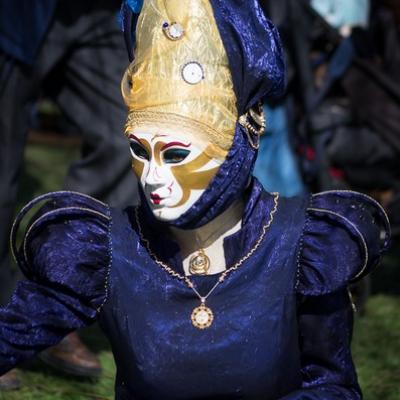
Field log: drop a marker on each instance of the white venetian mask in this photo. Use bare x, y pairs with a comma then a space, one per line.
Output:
173, 172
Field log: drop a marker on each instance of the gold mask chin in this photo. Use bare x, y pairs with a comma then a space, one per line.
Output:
184, 84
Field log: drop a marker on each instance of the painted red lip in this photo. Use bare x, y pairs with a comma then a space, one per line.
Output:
155, 198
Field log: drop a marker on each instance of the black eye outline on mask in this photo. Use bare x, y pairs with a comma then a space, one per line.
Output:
175, 155
138, 150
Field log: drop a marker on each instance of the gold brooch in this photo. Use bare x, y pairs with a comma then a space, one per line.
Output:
173, 31
199, 264
253, 122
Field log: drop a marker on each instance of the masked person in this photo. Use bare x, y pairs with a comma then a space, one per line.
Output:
212, 287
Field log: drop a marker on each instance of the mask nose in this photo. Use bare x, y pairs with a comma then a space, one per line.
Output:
155, 177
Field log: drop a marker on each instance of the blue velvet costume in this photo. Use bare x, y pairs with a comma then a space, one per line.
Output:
283, 320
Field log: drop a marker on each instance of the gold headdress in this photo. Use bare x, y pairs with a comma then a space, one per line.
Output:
180, 78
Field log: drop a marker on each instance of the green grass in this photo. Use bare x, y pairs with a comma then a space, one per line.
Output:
376, 348
376, 345
40, 382
45, 169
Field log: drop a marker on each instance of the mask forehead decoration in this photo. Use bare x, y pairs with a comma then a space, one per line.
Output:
180, 77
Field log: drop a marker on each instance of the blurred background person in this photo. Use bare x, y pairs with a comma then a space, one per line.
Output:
73, 52
339, 121
277, 166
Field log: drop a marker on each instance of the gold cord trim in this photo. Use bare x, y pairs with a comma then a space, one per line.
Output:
224, 275
143, 117
49, 213
37, 200
360, 235
216, 144
359, 194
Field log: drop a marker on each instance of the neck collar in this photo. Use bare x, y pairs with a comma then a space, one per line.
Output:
258, 205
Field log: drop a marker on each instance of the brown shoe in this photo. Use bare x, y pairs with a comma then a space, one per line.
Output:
72, 357
10, 381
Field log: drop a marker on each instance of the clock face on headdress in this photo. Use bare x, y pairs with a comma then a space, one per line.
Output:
173, 172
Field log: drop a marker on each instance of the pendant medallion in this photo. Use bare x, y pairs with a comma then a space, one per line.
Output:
202, 317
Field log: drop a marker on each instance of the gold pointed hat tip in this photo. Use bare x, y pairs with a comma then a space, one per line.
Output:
180, 77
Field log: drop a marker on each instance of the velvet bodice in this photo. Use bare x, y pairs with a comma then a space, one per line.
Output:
254, 316
282, 324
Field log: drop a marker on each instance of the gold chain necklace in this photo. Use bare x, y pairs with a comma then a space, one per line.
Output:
202, 316
199, 262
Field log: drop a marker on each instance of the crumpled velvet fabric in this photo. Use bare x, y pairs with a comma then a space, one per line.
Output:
257, 66
325, 326
349, 225
65, 258
283, 320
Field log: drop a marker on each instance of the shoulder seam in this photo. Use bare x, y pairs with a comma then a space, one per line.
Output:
26, 236
358, 194
110, 262
301, 247
32, 203
363, 241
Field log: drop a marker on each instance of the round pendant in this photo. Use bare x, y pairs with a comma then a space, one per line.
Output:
199, 264
202, 317
173, 31
192, 73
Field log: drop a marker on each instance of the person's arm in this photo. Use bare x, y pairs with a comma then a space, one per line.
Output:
38, 317
325, 331
344, 237
65, 256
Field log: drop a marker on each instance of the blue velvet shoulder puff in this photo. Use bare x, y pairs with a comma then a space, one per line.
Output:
344, 237
67, 245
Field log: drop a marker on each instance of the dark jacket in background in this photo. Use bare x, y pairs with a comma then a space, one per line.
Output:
23, 26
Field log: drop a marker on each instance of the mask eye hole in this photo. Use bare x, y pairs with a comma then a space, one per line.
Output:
175, 156
138, 150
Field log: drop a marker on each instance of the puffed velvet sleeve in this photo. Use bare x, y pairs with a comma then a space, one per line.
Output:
325, 333
65, 256
344, 237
